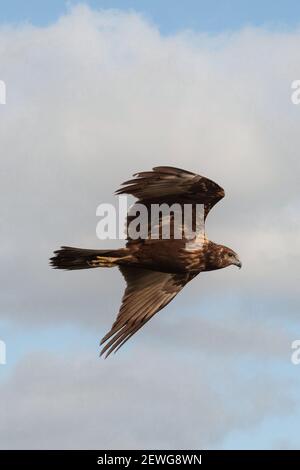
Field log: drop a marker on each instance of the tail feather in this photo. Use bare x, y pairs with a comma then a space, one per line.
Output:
78, 258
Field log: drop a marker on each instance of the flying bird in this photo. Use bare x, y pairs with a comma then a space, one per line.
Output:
155, 269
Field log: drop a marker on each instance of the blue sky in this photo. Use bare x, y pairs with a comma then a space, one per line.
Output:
72, 86
213, 16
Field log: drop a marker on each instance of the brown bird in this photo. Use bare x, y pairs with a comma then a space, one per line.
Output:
155, 269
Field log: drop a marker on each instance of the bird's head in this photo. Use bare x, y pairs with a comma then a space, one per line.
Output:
220, 256
229, 257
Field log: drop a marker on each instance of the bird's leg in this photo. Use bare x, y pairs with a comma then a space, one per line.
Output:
108, 261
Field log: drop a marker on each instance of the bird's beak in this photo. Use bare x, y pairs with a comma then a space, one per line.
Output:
238, 264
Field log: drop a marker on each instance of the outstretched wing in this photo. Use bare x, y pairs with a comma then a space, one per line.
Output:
168, 185
146, 293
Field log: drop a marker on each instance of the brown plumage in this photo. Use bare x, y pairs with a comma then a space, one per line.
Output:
155, 269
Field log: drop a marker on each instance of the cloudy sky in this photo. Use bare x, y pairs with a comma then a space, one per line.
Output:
96, 92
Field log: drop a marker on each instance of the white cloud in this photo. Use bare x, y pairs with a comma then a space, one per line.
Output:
80, 402
98, 96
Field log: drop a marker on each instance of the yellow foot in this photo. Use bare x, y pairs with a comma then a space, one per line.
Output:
103, 262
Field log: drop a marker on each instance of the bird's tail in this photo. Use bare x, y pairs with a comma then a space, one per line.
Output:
79, 258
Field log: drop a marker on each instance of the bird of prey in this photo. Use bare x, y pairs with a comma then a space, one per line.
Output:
155, 269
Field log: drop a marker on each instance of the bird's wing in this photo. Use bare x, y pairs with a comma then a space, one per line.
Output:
168, 184
146, 293
171, 186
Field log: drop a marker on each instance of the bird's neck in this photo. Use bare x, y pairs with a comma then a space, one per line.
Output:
213, 258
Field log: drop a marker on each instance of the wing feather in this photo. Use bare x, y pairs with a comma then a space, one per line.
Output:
168, 185
146, 293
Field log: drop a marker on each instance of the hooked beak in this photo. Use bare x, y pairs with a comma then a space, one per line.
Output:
238, 264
